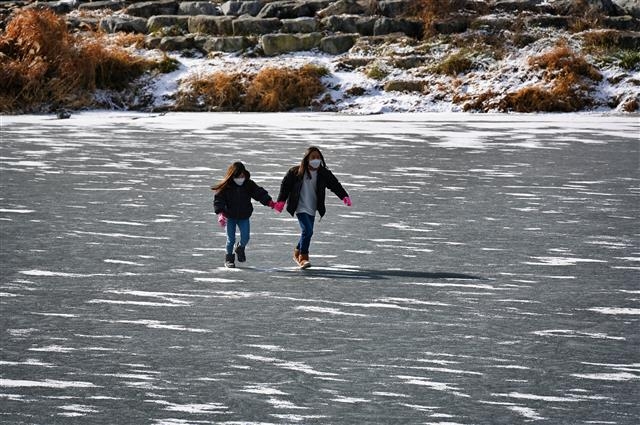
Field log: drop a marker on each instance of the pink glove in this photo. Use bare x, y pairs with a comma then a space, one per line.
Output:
279, 206
222, 220
271, 204
347, 201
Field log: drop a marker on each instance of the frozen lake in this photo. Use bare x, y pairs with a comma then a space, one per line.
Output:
487, 272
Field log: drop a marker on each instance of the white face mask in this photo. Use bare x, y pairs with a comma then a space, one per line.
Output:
239, 180
315, 163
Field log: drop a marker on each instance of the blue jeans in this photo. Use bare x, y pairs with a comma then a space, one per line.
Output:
306, 224
245, 228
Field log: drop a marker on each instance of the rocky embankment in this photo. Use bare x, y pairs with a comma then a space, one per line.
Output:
395, 46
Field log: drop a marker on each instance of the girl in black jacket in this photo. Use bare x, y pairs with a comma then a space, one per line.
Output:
303, 187
232, 203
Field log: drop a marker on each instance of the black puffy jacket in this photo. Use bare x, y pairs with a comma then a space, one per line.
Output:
292, 184
235, 201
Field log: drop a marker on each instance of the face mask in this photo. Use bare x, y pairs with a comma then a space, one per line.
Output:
239, 180
315, 163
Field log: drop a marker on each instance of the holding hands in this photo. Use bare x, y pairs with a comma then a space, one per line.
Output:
222, 220
278, 206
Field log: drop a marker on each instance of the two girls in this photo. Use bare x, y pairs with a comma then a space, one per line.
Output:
302, 190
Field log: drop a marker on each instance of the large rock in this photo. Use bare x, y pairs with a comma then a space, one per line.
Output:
276, 44
226, 44
237, 8
299, 25
107, 4
213, 25
337, 44
623, 23
571, 7
394, 8
287, 9
248, 25
179, 43
560, 22
344, 7
411, 28
157, 23
193, 8
112, 24
341, 23
628, 7
151, 8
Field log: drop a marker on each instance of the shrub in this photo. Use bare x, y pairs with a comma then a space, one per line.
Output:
43, 66
376, 71
282, 89
628, 59
270, 90
562, 61
218, 91
454, 64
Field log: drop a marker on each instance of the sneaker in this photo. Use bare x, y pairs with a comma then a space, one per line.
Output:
239, 250
229, 261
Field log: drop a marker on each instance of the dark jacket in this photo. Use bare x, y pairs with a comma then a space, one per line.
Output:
292, 184
235, 201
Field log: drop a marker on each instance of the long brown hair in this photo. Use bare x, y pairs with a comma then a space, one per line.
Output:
235, 170
304, 164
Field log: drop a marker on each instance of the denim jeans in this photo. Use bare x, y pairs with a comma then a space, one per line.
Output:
244, 227
306, 224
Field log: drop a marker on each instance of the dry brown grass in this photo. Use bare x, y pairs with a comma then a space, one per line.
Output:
217, 91
44, 67
283, 89
568, 78
270, 90
430, 11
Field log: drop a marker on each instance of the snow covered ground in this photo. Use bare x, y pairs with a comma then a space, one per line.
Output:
487, 272
507, 75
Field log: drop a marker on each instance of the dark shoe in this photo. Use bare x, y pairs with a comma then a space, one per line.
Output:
303, 261
229, 261
239, 250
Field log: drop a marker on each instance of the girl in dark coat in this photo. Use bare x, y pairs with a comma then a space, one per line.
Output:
303, 189
232, 203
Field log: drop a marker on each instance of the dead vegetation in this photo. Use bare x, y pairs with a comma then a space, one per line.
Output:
44, 67
567, 79
270, 90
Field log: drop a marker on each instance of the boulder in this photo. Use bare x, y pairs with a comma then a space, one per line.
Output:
226, 44
337, 44
193, 8
123, 23
248, 25
83, 23
517, 6
411, 28
179, 43
393, 8
623, 23
343, 7
492, 23
276, 44
151, 8
157, 23
545, 21
238, 8
213, 25
628, 7
341, 23
108, 4
571, 7
287, 9
299, 25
